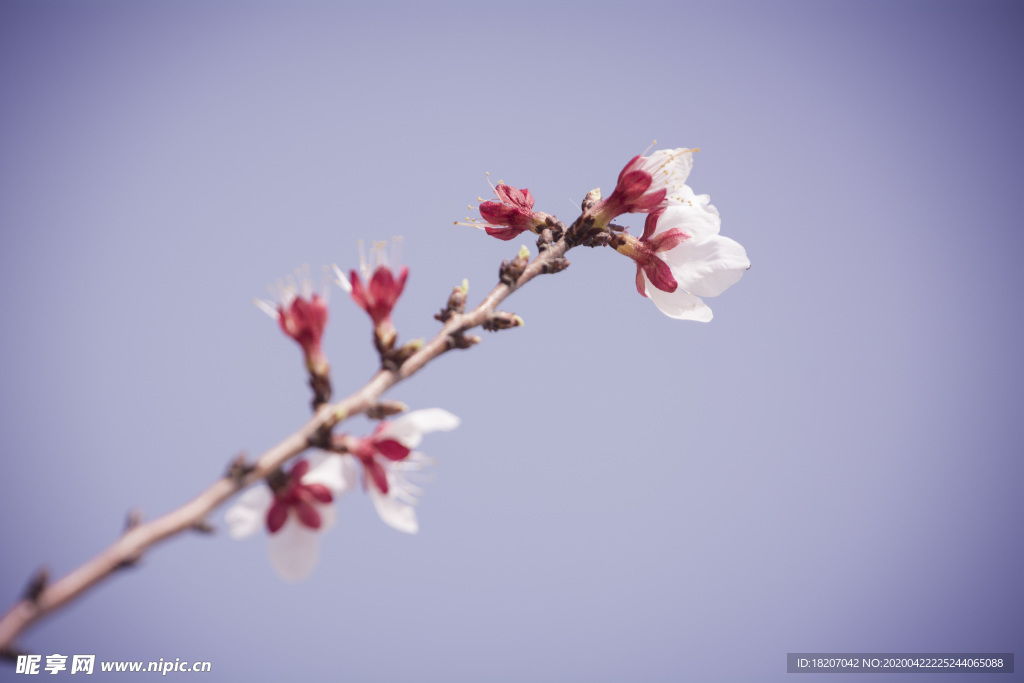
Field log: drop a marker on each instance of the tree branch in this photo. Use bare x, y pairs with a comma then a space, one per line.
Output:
43, 597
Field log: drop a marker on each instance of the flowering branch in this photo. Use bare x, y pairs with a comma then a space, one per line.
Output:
43, 597
679, 258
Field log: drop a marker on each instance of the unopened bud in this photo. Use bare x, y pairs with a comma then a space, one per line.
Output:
555, 265
500, 320
412, 346
383, 409
511, 270
592, 198
238, 468
545, 239
37, 584
456, 302
395, 358
462, 341
203, 526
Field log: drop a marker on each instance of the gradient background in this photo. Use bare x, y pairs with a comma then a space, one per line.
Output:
832, 464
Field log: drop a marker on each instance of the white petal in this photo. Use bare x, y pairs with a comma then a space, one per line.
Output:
336, 472
327, 515
669, 168
696, 217
249, 514
707, 267
395, 514
341, 280
293, 551
679, 304
267, 308
410, 428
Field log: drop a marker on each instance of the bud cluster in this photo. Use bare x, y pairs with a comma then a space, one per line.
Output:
678, 258
294, 507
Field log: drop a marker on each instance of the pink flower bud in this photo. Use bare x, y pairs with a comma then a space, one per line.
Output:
379, 297
304, 321
303, 317
512, 215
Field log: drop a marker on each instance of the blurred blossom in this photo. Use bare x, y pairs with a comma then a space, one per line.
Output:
302, 315
381, 291
387, 457
294, 510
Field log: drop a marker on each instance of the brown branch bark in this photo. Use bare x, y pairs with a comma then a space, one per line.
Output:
127, 550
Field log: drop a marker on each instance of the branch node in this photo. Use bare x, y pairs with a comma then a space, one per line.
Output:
393, 358
545, 240
456, 302
321, 386
203, 526
556, 226
36, 584
12, 652
555, 265
239, 469
383, 409
321, 438
129, 562
458, 340
132, 519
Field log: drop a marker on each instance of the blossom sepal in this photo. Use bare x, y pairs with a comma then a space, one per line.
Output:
647, 182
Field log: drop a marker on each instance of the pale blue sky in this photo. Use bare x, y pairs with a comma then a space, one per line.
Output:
832, 464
